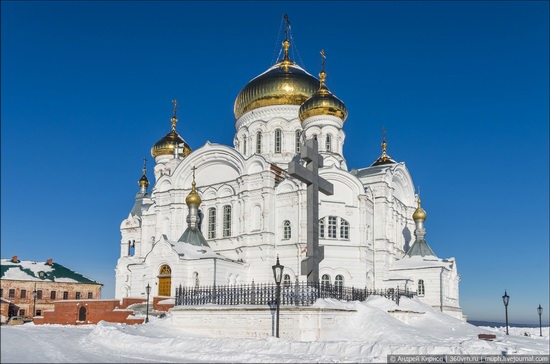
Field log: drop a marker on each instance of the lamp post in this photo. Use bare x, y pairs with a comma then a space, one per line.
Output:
506, 299
539, 310
34, 304
278, 275
148, 290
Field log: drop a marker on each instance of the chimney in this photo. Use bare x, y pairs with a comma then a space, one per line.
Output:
49, 261
14, 259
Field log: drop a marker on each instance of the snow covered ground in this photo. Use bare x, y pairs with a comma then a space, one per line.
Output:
373, 336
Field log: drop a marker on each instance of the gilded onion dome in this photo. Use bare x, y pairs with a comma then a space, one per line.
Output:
419, 213
323, 102
167, 145
193, 197
285, 83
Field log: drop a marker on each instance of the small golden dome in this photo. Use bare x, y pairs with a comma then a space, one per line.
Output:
143, 181
419, 213
285, 83
323, 102
193, 197
166, 145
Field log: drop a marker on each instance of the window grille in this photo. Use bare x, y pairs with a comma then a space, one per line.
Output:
226, 221
259, 142
322, 228
287, 231
23, 293
328, 143
325, 280
65, 295
332, 227
277, 140
52, 295
344, 229
39, 294
212, 223
339, 281
12, 293
286, 280
77, 295
297, 135
90, 295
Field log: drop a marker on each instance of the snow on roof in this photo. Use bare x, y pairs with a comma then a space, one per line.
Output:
417, 261
26, 270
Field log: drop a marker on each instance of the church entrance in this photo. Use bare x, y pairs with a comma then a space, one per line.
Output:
82, 314
165, 280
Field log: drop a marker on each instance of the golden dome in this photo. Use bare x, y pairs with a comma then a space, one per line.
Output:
193, 197
166, 145
419, 214
285, 83
323, 102
143, 181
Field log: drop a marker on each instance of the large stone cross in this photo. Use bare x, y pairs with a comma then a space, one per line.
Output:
310, 176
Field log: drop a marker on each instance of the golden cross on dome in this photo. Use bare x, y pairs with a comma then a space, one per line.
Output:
193, 184
323, 57
144, 165
174, 118
287, 25
383, 133
419, 196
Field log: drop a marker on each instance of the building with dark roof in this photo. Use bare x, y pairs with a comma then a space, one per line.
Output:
29, 288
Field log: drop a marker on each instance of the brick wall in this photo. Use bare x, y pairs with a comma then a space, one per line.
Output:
26, 303
157, 306
68, 313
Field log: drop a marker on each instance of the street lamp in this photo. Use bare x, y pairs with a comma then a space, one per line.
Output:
539, 310
506, 299
278, 275
34, 305
148, 290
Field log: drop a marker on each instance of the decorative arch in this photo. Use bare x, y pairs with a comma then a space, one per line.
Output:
82, 314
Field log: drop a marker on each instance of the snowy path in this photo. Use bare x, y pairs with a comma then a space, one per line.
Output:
370, 338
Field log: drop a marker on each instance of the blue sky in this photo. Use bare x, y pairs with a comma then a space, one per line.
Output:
462, 89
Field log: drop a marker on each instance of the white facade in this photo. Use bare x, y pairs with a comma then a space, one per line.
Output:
253, 211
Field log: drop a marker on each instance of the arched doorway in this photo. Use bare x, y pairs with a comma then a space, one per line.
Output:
165, 280
82, 314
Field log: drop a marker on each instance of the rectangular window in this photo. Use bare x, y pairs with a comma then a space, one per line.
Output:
77, 295
332, 227
39, 294
23, 293
38, 312
226, 221
278, 141
344, 229
21, 312
297, 140
52, 295
212, 223
1, 292
90, 295
259, 142
65, 295
322, 228
12, 293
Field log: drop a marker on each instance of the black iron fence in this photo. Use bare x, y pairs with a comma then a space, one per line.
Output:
297, 294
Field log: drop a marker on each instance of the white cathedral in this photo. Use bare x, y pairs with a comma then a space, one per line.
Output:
222, 215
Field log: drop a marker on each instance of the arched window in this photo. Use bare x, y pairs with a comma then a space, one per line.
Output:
244, 145
287, 232
325, 281
259, 142
339, 282
328, 143
315, 136
421, 289
332, 227
344, 229
286, 280
297, 136
322, 228
196, 279
277, 140
226, 221
212, 223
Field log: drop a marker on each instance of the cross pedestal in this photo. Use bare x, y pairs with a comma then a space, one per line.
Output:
310, 176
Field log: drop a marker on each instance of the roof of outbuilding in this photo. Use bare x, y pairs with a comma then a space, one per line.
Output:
25, 270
